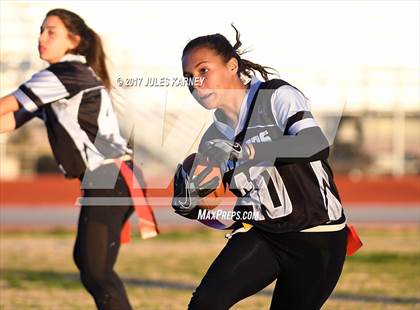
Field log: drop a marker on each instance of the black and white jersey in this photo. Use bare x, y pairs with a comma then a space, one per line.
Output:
283, 196
77, 110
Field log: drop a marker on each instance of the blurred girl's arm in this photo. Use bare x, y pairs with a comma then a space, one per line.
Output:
8, 104
7, 122
13, 115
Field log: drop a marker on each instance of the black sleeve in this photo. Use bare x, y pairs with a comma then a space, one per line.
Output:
22, 116
308, 145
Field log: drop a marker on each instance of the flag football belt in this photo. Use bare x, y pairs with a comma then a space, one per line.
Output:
146, 219
325, 228
112, 160
353, 240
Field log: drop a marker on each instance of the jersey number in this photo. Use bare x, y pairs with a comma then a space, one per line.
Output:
264, 188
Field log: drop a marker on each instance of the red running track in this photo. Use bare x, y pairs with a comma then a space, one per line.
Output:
54, 189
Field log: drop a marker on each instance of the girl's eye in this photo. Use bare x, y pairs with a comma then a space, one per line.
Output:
51, 33
203, 70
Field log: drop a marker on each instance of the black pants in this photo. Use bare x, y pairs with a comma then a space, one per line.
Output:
97, 245
306, 266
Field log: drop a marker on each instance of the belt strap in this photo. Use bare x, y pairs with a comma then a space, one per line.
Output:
147, 222
112, 160
325, 228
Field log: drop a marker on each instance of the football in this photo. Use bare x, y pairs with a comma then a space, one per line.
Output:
196, 163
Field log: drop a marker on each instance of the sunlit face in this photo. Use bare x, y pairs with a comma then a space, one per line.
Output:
219, 76
55, 40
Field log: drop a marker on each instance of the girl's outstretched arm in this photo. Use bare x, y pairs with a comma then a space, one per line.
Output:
8, 105
7, 122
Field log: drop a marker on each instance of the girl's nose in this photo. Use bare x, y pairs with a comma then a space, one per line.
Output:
198, 82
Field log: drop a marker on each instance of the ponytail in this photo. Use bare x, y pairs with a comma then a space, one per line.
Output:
247, 67
222, 46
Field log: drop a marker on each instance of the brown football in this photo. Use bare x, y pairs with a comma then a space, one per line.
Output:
193, 165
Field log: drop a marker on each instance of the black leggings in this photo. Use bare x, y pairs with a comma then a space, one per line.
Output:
306, 265
97, 245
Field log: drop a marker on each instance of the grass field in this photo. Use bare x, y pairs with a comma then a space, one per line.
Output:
37, 271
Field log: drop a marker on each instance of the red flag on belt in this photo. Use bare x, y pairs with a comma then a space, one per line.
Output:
353, 241
147, 223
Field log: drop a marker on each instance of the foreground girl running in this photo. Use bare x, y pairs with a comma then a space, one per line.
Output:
274, 158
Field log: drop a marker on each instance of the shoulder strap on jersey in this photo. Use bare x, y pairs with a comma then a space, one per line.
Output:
262, 102
273, 84
276, 83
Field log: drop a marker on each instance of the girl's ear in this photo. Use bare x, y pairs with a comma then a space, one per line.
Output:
74, 41
233, 65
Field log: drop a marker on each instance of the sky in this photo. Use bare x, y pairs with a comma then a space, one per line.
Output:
363, 53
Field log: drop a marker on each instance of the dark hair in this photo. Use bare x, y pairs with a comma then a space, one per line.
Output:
90, 44
222, 46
